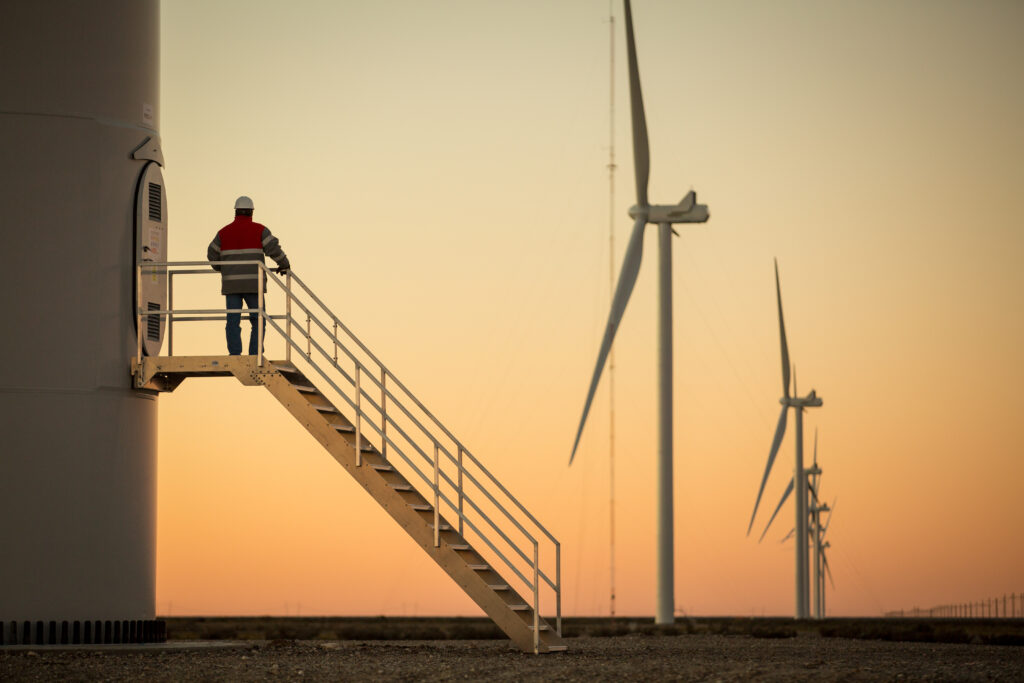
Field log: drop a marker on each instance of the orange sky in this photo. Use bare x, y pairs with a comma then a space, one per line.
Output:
436, 171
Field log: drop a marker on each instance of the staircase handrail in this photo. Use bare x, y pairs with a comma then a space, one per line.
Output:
418, 403
396, 447
409, 394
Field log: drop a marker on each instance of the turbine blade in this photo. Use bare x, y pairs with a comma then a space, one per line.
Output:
788, 536
780, 431
641, 150
627, 278
828, 571
782, 335
785, 497
813, 487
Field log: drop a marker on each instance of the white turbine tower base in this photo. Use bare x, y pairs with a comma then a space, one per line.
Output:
79, 130
664, 216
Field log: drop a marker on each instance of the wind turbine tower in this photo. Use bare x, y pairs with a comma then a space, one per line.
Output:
81, 195
664, 216
611, 292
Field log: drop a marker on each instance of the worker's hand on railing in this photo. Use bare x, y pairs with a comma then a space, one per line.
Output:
281, 269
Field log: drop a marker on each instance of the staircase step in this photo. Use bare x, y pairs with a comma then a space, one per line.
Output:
557, 648
498, 586
459, 546
401, 487
543, 627
442, 527
306, 389
326, 409
383, 468
479, 567
349, 429
419, 507
519, 608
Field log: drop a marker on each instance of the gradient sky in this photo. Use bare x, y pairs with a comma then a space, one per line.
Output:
437, 172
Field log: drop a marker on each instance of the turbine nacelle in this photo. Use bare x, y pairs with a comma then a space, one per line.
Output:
686, 211
811, 400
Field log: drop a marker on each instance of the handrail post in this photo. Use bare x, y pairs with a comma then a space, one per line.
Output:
558, 589
288, 317
437, 513
259, 339
359, 422
334, 337
460, 492
536, 598
138, 314
383, 413
309, 347
170, 313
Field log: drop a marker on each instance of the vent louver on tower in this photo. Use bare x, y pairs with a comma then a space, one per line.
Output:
153, 322
155, 194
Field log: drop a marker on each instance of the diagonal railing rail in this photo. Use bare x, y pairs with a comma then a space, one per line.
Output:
391, 418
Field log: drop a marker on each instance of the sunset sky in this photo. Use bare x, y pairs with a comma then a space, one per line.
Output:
436, 171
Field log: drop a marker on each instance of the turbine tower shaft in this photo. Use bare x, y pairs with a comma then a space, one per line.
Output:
611, 295
666, 589
801, 519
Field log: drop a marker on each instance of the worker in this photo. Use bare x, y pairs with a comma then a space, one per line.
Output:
243, 240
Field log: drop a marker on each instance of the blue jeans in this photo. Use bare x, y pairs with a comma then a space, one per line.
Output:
234, 325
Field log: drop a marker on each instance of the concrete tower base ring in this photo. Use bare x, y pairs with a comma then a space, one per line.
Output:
82, 632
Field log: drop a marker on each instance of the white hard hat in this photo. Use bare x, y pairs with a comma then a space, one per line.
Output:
243, 202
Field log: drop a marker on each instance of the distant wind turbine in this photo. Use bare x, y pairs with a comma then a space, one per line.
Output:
822, 559
799, 480
816, 532
686, 211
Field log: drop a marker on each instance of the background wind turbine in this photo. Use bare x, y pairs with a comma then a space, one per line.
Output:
824, 570
799, 481
816, 533
686, 211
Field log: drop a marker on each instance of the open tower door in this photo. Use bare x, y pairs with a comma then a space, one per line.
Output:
151, 246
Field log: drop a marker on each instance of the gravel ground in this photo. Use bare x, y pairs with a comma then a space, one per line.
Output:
688, 657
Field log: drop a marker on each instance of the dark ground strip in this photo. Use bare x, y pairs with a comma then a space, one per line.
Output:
635, 657
977, 631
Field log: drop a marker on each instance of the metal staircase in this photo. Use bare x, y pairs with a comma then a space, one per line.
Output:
422, 476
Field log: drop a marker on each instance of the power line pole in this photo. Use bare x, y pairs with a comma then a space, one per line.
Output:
611, 294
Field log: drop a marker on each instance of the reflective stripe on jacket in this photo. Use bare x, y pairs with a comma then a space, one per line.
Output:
243, 240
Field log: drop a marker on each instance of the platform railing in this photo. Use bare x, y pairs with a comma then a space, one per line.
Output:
389, 416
